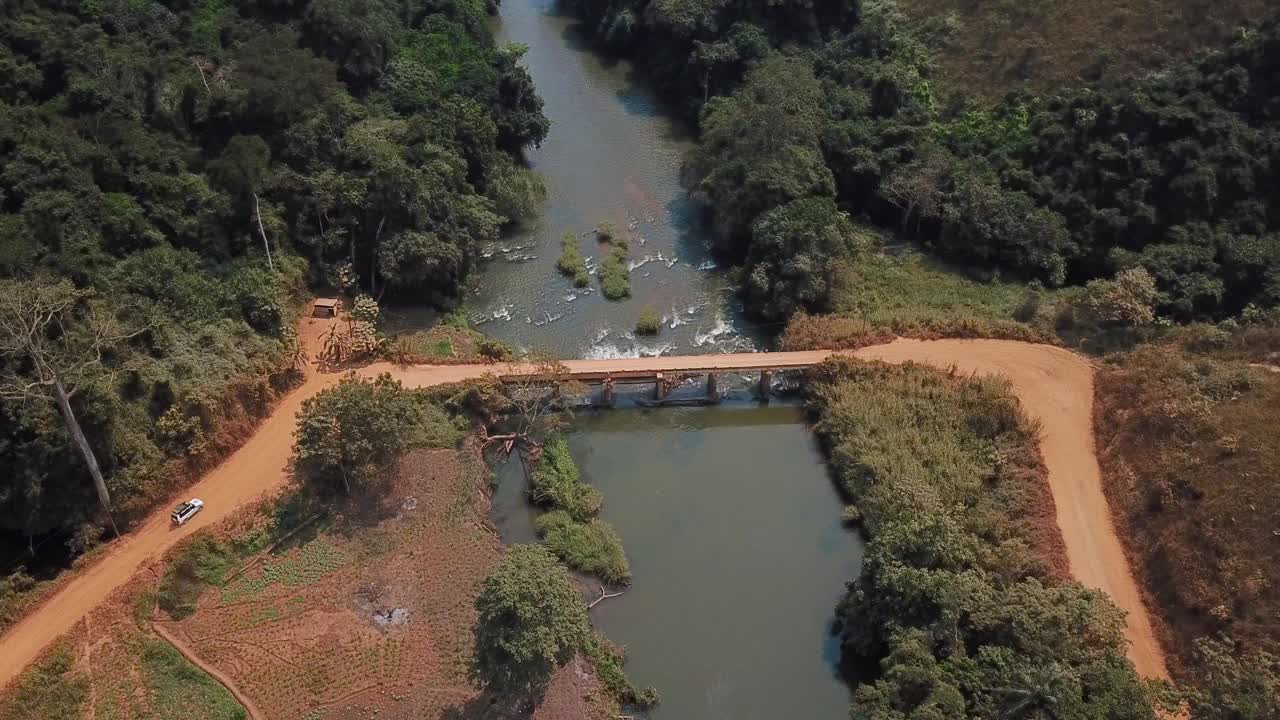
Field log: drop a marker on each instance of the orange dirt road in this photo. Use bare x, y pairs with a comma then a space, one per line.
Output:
1055, 386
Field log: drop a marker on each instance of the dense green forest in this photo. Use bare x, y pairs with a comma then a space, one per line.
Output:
1177, 172
173, 174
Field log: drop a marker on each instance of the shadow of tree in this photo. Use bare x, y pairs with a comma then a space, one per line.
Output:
491, 706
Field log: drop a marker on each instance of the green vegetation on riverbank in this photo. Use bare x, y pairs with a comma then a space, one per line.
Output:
571, 530
962, 601
592, 547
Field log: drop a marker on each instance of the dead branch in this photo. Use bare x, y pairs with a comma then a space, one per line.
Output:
605, 596
257, 210
508, 436
196, 62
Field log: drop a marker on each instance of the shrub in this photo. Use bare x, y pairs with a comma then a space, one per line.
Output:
571, 262
15, 592
1129, 299
615, 278
556, 482
347, 434
531, 621
607, 232
1236, 685
456, 319
494, 349
365, 309
592, 547
650, 323
201, 563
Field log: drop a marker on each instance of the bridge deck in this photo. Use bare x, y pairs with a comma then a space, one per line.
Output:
649, 367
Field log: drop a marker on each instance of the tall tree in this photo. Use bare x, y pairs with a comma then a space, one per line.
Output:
760, 147
531, 621
53, 339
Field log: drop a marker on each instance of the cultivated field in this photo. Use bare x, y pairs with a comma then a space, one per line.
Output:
373, 616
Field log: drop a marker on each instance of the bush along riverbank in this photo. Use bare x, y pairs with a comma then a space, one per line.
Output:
963, 603
587, 544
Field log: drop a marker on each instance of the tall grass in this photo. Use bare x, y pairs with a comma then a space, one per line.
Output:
1190, 456
555, 482
879, 297
592, 547
179, 690
962, 584
910, 442
571, 262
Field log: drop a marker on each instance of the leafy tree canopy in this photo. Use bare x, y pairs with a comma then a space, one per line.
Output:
531, 621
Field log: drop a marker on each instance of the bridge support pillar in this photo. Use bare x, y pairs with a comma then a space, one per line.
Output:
713, 392
606, 393
766, 384
660, 388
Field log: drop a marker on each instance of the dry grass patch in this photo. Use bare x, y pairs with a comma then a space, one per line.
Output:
1191, 463
990, 48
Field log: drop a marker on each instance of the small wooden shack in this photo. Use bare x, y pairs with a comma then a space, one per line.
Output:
326, 307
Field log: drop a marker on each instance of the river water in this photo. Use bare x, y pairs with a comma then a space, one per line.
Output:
611, 154
738, 557
730, 521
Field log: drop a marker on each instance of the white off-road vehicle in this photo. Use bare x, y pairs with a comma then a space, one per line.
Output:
187, 510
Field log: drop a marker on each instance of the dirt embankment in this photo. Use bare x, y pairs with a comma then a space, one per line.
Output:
1056, 387
213, 672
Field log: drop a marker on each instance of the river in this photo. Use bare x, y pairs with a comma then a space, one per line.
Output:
611, 154
732, 528
730, 521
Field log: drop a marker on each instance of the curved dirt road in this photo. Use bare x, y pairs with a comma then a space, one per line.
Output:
1055, 386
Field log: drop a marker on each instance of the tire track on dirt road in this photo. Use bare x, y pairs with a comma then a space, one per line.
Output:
1054, 385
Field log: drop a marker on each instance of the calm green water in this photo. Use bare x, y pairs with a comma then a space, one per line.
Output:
732, 528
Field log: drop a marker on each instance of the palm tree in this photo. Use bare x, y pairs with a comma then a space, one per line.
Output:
1036, 694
